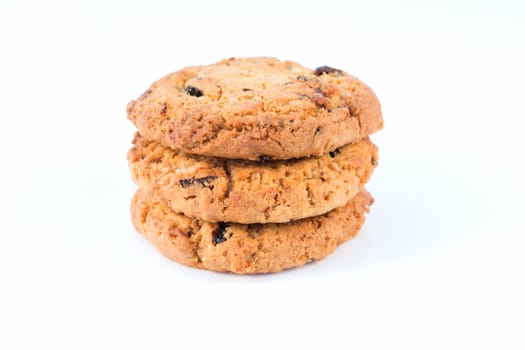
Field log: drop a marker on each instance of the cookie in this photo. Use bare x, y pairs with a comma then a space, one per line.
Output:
218, 189
257, 109
246, 249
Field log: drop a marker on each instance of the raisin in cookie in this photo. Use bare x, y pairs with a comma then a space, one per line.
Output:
218, 189
256, 108
255, 248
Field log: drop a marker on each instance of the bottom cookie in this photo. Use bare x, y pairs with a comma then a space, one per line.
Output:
246, 249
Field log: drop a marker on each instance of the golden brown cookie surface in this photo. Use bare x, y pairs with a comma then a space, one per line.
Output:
256, 108
247, 249
218, 189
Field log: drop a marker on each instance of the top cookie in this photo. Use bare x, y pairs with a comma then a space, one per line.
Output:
257, 109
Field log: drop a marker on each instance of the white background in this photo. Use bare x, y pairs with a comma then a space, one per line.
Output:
439, 263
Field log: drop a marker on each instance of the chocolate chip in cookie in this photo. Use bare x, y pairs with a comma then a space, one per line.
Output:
264, 158
218, 233
334, 152
193, 91
327, 70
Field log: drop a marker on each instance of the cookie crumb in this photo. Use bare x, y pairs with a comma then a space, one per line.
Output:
319, 98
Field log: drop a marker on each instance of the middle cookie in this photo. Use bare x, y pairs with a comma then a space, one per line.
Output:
226, 190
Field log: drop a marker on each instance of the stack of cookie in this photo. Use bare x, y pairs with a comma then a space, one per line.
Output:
252, 165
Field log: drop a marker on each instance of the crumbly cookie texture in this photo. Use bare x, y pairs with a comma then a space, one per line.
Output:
246, 249
256, 108
218, 189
